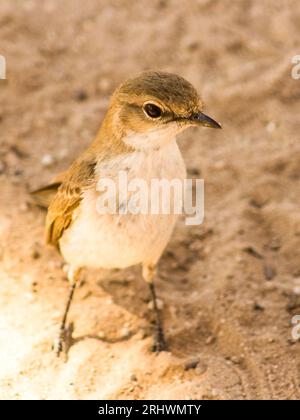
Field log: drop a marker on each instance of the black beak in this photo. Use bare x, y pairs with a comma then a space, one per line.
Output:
204, 120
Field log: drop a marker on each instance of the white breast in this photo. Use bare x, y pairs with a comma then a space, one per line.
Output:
119, 241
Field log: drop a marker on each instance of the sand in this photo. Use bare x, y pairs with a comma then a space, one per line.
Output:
229, 287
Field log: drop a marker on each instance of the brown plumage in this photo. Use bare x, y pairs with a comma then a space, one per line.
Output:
137, 135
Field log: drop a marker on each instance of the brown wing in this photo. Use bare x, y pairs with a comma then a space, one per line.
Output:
69, 194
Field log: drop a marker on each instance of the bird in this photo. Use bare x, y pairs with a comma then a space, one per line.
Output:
138, 137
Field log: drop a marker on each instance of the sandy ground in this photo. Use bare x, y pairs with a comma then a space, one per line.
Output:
230, 286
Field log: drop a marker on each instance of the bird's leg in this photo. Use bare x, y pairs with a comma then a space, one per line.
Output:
73, 276
159, 342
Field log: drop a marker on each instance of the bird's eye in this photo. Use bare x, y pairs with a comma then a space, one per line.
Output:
153, 111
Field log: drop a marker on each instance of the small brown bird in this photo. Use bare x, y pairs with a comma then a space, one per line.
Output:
137, 136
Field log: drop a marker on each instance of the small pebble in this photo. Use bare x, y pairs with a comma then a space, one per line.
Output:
81, 95
125, 332
30, 297
35, 254
269, 272
271, 127
104, 85
252, 251
201, 368
194, 171
101, 335
62, 154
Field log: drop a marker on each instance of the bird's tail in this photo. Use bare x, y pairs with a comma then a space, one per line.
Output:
43, 196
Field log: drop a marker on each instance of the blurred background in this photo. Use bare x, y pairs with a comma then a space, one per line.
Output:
229, 287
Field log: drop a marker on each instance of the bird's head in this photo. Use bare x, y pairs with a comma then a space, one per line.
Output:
151, 108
